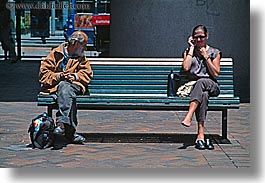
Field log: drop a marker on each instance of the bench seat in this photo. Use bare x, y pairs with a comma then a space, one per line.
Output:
142, 102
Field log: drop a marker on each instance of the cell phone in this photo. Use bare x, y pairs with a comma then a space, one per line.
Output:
193, 42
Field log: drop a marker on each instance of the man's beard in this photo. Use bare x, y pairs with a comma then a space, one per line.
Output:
79, 52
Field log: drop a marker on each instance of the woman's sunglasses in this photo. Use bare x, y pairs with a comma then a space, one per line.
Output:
200, 36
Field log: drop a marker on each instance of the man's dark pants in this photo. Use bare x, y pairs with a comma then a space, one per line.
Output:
67, 108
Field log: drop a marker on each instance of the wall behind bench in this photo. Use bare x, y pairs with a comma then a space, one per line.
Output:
160, 28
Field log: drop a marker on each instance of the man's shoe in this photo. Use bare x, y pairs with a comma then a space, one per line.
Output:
78, 139
209, 144
59, 130
200, 145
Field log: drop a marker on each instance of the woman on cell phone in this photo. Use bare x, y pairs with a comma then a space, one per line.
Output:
203, 65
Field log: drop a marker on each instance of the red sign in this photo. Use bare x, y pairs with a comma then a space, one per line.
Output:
101, 20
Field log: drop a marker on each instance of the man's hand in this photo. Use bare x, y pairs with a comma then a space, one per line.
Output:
62, 76
70, 77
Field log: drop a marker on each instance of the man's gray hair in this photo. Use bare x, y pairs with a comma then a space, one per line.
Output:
76, 36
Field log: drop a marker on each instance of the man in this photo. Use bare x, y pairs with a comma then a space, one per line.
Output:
64, 73
6, 39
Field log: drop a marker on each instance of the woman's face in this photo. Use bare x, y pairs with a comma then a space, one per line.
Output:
200, 38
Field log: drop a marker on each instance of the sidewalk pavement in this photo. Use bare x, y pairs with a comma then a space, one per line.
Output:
130, 138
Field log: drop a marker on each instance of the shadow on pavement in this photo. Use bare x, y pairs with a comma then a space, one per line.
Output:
186, 139
19, 82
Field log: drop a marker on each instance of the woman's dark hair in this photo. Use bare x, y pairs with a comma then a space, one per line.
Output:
202, 27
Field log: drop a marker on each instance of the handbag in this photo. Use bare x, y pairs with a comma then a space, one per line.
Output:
173, 82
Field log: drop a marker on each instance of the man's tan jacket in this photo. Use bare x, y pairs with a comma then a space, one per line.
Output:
50, 70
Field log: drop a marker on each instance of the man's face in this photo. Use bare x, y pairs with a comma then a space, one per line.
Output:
79, 49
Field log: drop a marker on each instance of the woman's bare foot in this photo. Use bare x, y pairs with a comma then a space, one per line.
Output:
186, 123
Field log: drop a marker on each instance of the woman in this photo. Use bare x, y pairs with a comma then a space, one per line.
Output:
203, 64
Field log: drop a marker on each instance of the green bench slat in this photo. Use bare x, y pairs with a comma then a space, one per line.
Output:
140, 99
142, 87
146, 68
126, 72
156, 105
124, 82
133, 86
128, 91
144, 82
139, 91
145, 77
130, 77
163, 73
137, 69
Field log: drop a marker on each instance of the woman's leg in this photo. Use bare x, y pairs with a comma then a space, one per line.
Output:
187, 121
195, 100
200, 142
200, 133
200, 114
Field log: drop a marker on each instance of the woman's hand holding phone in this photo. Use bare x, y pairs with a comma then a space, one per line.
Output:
191, 41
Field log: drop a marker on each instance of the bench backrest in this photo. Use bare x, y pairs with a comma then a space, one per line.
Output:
145, 76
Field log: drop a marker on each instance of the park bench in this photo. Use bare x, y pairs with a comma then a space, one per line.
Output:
141, 84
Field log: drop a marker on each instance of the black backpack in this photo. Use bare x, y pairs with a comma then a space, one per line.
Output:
41, 131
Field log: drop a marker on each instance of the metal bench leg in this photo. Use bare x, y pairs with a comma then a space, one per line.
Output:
224, 125
5, 54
